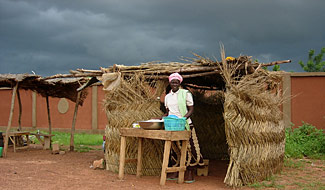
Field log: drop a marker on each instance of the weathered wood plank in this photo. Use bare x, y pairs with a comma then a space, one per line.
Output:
156, 134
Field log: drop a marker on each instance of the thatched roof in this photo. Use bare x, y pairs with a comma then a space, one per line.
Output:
56, 87
199, 72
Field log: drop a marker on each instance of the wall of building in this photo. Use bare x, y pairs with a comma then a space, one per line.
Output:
308, 99
91, 115
5, 105
307, 103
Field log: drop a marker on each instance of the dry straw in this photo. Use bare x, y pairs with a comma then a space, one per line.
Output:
135, 99
253, 124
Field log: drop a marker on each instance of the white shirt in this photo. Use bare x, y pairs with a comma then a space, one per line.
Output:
172, 104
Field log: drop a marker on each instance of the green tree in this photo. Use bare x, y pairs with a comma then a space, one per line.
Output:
314, 64
276, 68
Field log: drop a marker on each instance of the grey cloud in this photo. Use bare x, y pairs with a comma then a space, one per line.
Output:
51, 37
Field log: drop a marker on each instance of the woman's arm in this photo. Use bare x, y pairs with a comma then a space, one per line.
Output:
189, 112
167, 111
165, 114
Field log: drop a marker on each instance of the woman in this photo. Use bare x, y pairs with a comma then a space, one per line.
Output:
179, 102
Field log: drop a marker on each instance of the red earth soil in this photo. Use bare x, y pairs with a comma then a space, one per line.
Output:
35, 168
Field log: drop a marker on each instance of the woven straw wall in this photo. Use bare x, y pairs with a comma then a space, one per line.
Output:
254, 127
133, 100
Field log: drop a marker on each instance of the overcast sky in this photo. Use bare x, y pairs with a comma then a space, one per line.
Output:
50, 37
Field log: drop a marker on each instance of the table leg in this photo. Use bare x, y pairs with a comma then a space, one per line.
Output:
122, 158
182, 161
165, 162
28, 141
139, 164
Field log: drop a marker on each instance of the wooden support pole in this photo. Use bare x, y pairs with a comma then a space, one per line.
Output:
10, 119
74, 122
34, 113
182, 161
73, 75
140, 152
94, 111
164, 167
49, 119
20, 110
122, 158
48, 114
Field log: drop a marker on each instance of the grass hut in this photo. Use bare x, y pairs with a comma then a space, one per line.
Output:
237, 113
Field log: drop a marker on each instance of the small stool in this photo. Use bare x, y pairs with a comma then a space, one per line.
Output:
204, 170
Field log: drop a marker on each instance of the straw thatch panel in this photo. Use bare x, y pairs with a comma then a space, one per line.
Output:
133, 99
253, 126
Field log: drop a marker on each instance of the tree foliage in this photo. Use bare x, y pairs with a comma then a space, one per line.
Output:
314, 64
276, 68
305, 140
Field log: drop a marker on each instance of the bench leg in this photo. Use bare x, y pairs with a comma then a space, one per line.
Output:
13, 140
47, 142
165, 162
122, 158
140, 150
28, 140
40, 139
182, 162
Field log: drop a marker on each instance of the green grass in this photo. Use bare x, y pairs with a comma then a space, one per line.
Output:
294, 164
267, 184
79, 138
82, 141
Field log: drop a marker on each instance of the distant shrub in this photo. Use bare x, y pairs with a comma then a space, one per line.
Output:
305, 141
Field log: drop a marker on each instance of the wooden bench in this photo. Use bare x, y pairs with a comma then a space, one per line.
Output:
168, 137
46, 141
15, 136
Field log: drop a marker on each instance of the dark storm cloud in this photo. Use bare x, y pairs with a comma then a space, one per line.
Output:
50, 37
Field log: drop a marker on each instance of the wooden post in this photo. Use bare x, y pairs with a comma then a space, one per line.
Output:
49, 119
182, 161
34, 114
168, 144
94, 112
140, 150
10, 119
122, 158
20, 110
74, 122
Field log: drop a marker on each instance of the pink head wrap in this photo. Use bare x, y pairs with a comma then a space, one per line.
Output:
175, 76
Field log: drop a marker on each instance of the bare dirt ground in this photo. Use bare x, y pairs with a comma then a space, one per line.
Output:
35, 168
39, 169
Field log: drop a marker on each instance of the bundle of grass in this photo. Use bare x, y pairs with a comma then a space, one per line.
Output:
132, 99
253, 124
